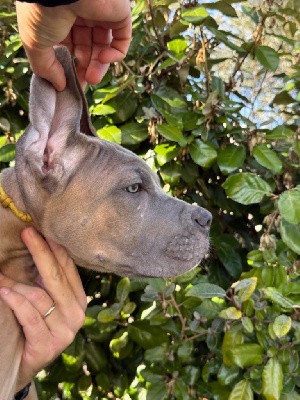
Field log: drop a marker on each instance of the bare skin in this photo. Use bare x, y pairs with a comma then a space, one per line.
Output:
59, 282
97, 32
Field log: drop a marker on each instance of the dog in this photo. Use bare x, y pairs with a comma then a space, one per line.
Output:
100, 201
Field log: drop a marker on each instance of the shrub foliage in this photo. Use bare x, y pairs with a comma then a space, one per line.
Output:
209, 96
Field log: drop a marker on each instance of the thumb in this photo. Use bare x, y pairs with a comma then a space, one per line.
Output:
45, 64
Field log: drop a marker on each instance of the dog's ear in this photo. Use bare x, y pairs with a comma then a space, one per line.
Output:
56, 121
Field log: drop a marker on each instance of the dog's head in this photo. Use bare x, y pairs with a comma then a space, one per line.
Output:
99, 200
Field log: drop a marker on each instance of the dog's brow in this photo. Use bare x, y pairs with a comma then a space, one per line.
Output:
144, 174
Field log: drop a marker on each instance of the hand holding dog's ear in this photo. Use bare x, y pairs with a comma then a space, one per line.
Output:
97, 32
46, 336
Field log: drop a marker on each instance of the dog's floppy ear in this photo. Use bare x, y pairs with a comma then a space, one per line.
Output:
56, 121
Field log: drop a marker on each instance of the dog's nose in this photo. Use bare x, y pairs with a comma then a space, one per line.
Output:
202, 219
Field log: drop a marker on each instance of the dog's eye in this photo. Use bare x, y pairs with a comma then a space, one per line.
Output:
136, 187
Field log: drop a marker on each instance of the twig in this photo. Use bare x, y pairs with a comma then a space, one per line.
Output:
206, 69
181, 317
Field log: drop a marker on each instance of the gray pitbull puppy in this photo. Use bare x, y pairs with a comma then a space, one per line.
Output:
100, 201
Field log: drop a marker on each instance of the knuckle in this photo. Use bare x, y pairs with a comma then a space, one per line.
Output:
20, 301
34, 318
38, 295
50, 354
84, 303
56, 274
80, 318
69, 336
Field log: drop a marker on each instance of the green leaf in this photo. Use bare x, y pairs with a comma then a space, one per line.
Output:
246, 188
4, 125
246, 355
283, 98
242, 391
7, 153
290, 235
157, 391
272, 380
231, 338
128, 308
195, 15
224, 7
103, 109
247, 324
123, 289
156, 354
206, 290
109, 314
110, 133
230, 313
171, 133
133, 133
125, 105
276, 297
165, 153
267, 158
169, 103
95, 357
226, 375
282, 325
202, 153
223, 37
103, 382
171, 172
177, 47
145, 335
117, 344
230, 258
280, 132
245, 288
268, 57
289, 205
230, 158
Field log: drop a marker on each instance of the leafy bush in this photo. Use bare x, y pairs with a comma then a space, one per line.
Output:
209, 96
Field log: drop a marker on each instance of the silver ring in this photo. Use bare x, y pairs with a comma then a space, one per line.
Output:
49, 311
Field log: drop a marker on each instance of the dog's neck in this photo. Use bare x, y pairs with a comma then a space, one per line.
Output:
15, 260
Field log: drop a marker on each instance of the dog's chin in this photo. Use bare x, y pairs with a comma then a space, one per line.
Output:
175, 260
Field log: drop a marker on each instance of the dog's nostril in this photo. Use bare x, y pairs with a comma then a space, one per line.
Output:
202, 218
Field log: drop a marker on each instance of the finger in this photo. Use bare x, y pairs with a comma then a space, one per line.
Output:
121, 38
53, 278
42, 255
34, 326
70, 272
41, 344
35, 331
95, 72
45, 64
37, 296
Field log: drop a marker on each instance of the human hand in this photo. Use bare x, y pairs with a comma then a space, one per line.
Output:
97, 32
45, 337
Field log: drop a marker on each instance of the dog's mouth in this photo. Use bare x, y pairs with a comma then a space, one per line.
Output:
161, 258
185, 248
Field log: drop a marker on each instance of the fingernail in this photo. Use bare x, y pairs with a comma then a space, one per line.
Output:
30, 232
4, 291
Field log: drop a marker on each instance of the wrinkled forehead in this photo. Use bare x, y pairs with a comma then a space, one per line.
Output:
111, 162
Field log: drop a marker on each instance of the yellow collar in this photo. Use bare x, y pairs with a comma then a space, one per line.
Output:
6, 201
